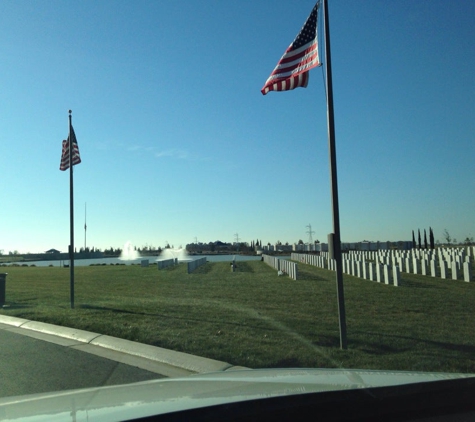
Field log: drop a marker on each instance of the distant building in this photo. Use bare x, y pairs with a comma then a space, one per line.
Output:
402, 245
52, 251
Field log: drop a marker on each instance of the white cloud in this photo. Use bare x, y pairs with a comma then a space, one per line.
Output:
174, 153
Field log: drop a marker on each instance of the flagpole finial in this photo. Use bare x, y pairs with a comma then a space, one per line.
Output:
70, 111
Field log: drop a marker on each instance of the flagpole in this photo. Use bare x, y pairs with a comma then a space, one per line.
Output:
334, 183
85, 226
71, 216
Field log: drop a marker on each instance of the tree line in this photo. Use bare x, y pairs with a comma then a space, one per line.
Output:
419, 244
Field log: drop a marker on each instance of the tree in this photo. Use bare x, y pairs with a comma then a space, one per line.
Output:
244, 247
431, 238
413, 240
419, 238
425, 239
447, 237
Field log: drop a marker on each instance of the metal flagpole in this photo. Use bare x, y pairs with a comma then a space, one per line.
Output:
71, 216
334, 183
85, 225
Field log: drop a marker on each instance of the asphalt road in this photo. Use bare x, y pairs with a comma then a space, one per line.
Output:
34, 365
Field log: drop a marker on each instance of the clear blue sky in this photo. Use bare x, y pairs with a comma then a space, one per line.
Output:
177, 141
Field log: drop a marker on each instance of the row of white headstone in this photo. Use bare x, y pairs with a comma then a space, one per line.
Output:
453, 263
375, 271
165, 263
283, 265
445, 263
193, 265
448, 254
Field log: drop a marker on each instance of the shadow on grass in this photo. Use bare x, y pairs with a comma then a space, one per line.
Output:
114, 310
287, 363
327, 341
170, 268
417, 284
264, 326
33, 299
243, 267
305, 275
204, 269
13, 306
383, 349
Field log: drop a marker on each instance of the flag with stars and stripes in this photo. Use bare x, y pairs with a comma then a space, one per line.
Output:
76, 159
301, 56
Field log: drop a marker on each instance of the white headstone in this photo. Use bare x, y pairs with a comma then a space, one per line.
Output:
415, 264
396, 275
443, 269
379, 273
467, 271
371, 273
424, 267
455, 270
387, 274
365, 270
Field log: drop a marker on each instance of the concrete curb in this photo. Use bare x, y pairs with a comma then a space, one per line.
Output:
195, 364
70, 333
191, 363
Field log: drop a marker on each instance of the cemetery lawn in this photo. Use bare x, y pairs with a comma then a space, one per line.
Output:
256, 319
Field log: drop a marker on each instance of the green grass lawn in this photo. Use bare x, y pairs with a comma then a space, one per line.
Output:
256, 319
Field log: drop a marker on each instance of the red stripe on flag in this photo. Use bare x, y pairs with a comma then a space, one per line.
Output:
76, 158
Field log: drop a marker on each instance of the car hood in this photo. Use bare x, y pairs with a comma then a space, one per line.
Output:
122, 402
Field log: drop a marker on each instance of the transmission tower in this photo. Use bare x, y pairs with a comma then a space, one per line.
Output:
236, 238
309, 232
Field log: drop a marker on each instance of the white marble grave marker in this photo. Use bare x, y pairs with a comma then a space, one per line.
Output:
467, 271
396, 275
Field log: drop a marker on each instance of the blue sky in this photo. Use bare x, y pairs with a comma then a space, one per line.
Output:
178, 143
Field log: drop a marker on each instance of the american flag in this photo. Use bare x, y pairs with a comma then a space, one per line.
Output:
301, 56
65, 153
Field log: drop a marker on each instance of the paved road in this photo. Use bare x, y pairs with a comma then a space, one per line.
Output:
36, 357
32, 365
